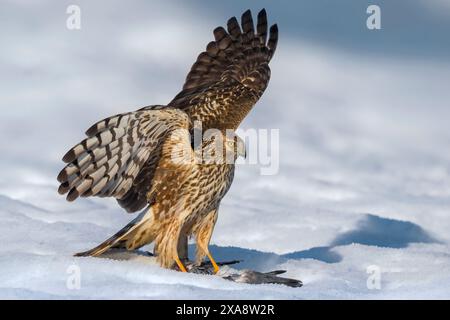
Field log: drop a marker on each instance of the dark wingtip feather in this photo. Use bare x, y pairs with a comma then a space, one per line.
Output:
73, 194
80, 254
274, 30
261, 27
247, 22
211, 48
223, 39
69, 156
63, 188
62, 176
92, 130
234, 29
262, 13
273, 38
219, 33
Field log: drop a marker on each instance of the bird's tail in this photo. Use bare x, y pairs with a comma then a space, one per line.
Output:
134, 235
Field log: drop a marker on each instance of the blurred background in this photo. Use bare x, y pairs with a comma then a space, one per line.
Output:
363, 114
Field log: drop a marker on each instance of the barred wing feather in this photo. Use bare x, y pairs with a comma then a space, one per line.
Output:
108, 161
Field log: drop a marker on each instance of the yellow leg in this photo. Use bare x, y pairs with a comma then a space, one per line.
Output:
180, 265
215, 266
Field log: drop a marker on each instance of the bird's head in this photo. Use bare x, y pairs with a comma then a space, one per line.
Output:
234, 143
220, 148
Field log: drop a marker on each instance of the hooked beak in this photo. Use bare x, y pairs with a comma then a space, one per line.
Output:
241, 149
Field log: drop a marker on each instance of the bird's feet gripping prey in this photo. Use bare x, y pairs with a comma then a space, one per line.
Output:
206, 268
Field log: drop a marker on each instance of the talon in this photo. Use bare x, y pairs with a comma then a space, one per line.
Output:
215, 266
180, 265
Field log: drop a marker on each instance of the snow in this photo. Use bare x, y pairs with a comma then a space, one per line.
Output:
36, 261
362, 193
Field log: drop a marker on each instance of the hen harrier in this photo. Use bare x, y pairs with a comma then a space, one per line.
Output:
146, 158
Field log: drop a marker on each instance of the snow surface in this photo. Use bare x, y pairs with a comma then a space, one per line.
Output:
363, 181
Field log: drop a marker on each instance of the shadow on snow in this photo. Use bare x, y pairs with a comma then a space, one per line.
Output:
371, 230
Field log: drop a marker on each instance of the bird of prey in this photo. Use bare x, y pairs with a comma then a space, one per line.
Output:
147, 158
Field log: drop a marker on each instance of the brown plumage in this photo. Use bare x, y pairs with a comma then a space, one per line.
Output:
131, 156
231, 75
184, 198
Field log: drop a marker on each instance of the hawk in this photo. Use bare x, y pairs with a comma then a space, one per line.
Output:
148, 158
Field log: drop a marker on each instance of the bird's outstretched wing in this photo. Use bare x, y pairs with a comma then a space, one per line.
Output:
117, 152
121, 153
231, 75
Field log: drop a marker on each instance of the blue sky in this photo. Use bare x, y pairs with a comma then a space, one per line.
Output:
417, 28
